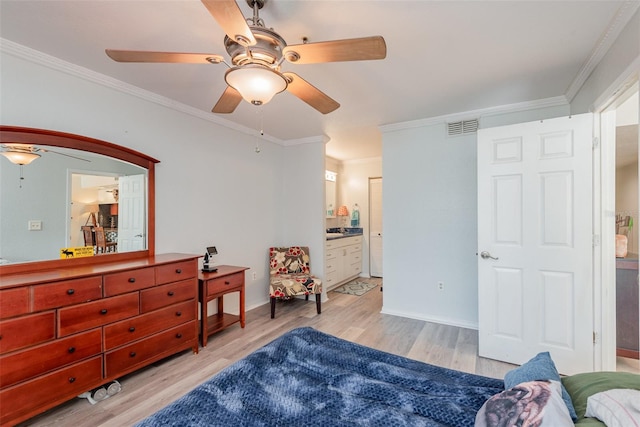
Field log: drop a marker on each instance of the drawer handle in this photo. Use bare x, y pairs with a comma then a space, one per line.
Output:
103, 311
178, 313
226, 282
178, 335
178, 270
72, 380
132, 354
71, 291
132, 329
132, 280
170, 293
71, 350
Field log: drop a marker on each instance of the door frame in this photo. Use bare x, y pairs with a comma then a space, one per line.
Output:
371, 216
604, 271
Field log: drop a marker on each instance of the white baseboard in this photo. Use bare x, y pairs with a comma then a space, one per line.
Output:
433, 319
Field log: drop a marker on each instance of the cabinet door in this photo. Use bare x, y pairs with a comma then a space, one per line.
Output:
331, 264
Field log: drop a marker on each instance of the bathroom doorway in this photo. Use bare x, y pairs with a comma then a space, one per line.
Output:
375, 227
627, 243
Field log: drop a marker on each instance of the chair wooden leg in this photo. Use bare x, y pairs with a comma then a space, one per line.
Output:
318, 302
273, 307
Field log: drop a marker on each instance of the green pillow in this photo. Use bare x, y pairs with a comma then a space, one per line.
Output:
581, 386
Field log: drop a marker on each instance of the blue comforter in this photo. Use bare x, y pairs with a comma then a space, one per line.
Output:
308, 378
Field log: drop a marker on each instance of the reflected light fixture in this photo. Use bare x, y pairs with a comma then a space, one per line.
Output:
19, 156
256, 84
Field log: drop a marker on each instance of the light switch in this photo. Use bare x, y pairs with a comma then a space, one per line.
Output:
35, 225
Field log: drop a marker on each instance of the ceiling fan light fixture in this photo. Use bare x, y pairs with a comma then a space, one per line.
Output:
255, 83
20, 157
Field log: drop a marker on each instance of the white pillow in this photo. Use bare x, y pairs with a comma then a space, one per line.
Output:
536, 403
616, 408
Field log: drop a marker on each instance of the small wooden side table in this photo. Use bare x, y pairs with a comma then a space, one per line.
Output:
228, 278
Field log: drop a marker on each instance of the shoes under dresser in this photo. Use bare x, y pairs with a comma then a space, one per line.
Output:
66, 331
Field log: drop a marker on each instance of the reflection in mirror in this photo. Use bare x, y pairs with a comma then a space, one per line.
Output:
330, 192
44, 205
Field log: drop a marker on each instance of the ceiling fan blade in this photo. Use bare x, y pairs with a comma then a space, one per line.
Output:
149, 56
61, 154
228, 15
228, 101
310, 94
361, 49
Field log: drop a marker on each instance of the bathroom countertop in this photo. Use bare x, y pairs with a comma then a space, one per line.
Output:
338, 233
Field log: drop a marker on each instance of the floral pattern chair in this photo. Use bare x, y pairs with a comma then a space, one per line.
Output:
290, 275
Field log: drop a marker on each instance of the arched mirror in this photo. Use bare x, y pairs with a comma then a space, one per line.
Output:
61, 192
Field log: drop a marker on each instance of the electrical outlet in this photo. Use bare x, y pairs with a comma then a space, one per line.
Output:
441, 285
254, 275
34, 225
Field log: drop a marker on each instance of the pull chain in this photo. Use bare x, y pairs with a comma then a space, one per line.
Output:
261, 112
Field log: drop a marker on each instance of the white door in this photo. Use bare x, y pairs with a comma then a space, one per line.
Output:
375, 227
535, 230
131, 213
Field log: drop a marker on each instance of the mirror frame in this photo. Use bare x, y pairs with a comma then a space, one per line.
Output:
32, 136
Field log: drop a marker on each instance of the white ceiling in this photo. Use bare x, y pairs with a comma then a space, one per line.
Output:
443, 57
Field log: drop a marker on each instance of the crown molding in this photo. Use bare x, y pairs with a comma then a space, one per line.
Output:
474, 114
609, 36
11, 48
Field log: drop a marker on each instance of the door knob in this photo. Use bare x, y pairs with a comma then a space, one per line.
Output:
487, 255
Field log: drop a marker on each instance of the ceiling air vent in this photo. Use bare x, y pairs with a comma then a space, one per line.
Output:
462, 127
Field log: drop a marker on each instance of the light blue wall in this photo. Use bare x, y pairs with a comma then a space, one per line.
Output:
430, 201
212, 188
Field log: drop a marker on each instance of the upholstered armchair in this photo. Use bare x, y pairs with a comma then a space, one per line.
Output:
290, 275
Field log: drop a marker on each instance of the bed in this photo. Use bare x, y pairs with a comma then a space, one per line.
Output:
309, 378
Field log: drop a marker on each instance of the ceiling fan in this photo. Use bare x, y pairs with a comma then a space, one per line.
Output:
257, 54
24, 154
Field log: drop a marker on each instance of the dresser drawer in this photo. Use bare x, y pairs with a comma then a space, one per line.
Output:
25, 331
138, 327
223, 283
329, 280
354, 269
162, 296
176, 271
90, 315
19, 402
127, 281
155, 347
25, 364
14, 302
69, 292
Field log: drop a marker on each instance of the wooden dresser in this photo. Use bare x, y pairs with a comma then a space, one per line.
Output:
67, 331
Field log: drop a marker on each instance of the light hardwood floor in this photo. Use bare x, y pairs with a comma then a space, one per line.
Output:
353, 318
